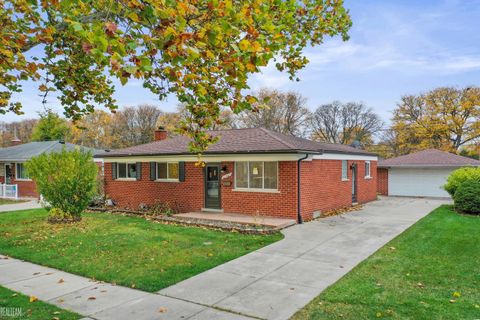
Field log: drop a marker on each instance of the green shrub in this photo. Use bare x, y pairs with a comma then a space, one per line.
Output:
459, 176
467, 197
67, 180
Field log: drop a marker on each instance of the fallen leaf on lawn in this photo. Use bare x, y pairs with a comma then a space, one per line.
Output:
61, 281
33, 298
420, 285
477, 306
456, 294
55, 318
92, 298
15, 294
210, 254
392, 248
162, 310
379, 314
453, 300
133, 286
57, 312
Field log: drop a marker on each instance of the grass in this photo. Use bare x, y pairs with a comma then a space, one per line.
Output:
431, 271
128, 251
10, 201
15, 305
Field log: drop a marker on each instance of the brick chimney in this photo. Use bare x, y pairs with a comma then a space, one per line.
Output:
161, 134
15, 141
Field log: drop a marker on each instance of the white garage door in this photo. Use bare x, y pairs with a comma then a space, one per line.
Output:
424, 182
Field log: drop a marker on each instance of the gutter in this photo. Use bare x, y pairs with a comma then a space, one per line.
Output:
299, 210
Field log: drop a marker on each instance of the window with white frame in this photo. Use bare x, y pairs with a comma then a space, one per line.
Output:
127, 170
367, 169
167, 171
21, 172
344, 170
256, 175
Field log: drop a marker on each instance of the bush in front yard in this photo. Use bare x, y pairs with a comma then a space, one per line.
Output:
457, 177
67, 181
467, 197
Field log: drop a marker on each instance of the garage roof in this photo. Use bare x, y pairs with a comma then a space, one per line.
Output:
429, 158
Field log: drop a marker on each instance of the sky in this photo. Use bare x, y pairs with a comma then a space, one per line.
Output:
396, 47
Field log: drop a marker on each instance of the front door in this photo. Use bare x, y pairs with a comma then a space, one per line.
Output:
212, 186
354, 182
8, 173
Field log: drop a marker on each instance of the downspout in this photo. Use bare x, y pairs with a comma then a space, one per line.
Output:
299, 210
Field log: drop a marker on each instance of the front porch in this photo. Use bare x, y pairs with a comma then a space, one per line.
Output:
236, 218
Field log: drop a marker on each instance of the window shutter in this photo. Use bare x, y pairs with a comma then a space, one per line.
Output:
181, 171
114, 170
139, 170
153, 171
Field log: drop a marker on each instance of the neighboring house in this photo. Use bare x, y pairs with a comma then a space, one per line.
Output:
12, 162
420, 174
248, 171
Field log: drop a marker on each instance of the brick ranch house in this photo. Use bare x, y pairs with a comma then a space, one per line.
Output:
248, 171
13, 158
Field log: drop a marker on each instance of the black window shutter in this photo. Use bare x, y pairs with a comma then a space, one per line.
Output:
139, 171
153, 171
114, 170
181, 171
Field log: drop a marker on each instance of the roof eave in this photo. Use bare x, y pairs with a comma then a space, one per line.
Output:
106, 155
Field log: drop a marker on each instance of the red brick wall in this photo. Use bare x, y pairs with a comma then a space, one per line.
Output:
26, 188
187, 195
280, 204
324, 190
382, 187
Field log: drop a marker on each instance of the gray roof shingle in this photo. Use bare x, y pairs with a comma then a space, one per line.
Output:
429, 158
24, 152
251, 140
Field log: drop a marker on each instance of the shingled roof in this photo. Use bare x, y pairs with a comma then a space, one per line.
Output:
24, 152
241, 141
429, 158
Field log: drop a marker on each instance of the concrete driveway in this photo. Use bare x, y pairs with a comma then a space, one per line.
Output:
276, 281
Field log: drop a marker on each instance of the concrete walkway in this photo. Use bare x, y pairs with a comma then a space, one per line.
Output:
31, 204
276, 281
271, 283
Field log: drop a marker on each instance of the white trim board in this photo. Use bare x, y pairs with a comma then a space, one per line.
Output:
342, 156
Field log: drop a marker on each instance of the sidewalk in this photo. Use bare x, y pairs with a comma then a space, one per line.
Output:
97, 300
32, 204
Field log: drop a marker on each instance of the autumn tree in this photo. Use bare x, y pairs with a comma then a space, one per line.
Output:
51, 127
17, 129
345, 123
443, 118
284, 112
96, 130
201, 51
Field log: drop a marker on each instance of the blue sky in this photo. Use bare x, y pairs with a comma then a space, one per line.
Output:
395, 48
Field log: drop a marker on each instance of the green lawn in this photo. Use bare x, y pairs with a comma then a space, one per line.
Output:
129, 251
14, 305
431, 271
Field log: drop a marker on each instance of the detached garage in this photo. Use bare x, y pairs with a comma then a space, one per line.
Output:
420, 174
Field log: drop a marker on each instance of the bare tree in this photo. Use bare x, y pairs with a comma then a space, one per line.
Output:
345, 123
136, 124
283, 112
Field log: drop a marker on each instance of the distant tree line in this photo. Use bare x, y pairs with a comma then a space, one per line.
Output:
443, 118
